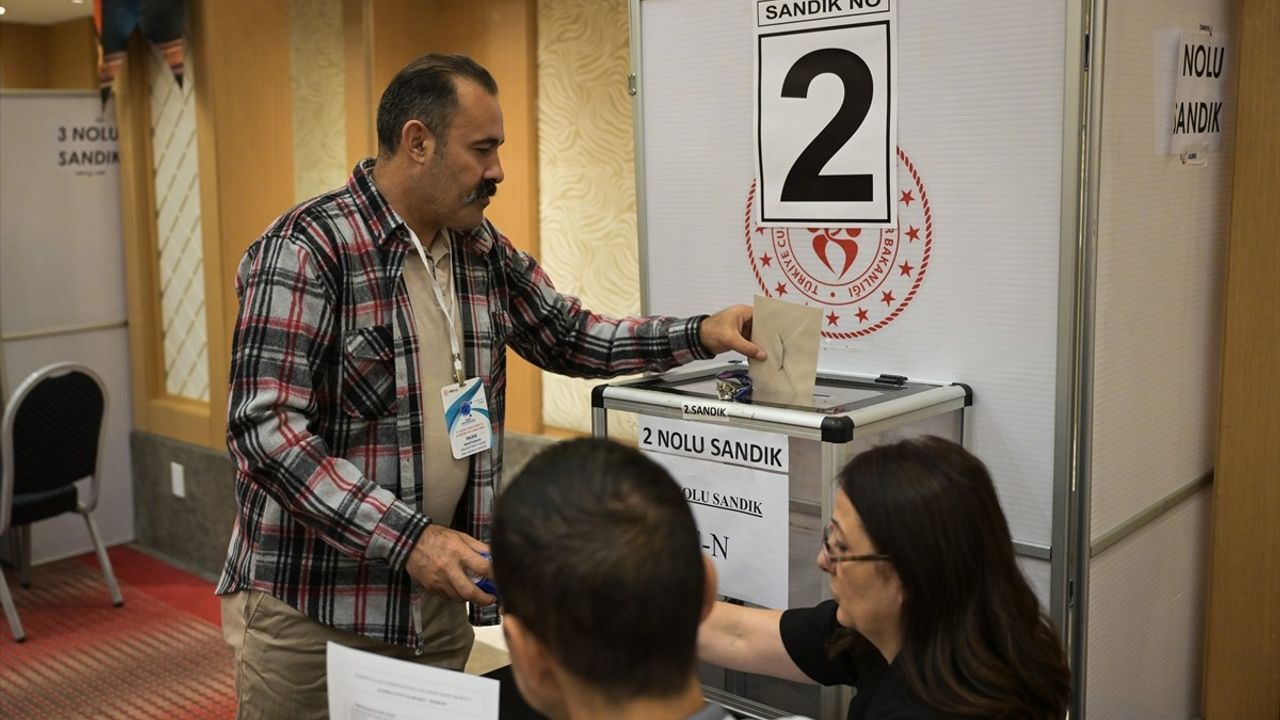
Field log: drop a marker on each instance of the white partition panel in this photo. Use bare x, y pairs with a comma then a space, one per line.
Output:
1161, 260
1146, 613
61, 258
980, 119
62, 294
1038, 573
1161, 231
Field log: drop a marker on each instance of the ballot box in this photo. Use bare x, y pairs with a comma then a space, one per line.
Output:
760, 481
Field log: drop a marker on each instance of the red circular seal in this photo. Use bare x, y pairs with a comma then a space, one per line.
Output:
864, 277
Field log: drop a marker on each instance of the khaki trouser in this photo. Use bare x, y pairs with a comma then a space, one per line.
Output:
280, 653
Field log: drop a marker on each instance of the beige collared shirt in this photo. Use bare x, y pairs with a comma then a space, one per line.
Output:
444, 477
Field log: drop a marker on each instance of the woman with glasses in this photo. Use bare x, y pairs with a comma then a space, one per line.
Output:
930, 616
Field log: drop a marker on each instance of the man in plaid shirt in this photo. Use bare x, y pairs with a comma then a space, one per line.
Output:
366, 315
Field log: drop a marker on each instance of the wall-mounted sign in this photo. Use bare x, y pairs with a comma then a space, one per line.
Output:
1197, 97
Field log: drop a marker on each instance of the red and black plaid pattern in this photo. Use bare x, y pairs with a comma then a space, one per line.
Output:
324, 421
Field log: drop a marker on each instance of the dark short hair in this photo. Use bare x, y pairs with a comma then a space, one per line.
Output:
975, 640
596, 552
425, 90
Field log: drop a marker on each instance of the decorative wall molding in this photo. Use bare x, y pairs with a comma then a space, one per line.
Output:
317, 76
587, 207
178, 231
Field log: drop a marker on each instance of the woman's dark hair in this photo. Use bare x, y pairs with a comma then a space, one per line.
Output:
975, 642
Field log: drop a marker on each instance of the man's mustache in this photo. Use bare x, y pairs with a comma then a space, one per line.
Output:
486, 189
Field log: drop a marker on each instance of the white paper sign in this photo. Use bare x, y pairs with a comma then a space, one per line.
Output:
1197, 97
742, 512
826, 113
721, 444
365, 686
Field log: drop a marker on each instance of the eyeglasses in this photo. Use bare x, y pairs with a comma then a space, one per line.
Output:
833, 558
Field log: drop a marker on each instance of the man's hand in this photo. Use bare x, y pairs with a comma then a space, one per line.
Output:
730, 329
444, 561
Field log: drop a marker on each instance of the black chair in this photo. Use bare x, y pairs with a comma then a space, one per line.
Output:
51, 438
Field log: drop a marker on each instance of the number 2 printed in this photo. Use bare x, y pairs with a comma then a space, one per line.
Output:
825, 126
805, 181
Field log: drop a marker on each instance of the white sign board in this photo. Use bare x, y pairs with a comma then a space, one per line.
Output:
59, 213
825, 112
1197, 96
736, 484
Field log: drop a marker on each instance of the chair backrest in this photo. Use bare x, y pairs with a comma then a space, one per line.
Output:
51, 433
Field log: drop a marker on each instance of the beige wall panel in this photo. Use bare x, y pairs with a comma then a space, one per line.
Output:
73, 55
317, 76
23, 63
246, 56
154, 409
587, 173
63, 56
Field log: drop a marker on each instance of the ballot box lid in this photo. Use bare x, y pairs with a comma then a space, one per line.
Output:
840, 400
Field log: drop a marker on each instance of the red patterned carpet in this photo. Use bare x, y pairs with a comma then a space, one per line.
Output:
159, 656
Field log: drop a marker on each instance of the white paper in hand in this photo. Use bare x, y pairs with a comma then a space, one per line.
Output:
365, 686
789, 334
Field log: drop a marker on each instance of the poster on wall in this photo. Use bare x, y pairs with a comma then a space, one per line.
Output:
825, 113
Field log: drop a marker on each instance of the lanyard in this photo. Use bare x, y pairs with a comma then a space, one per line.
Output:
448, 315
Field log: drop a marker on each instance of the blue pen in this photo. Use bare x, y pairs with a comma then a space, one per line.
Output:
485, 583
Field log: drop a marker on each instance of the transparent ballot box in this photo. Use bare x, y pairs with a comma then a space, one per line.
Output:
760, 480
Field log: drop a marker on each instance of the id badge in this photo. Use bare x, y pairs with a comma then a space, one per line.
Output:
466, 417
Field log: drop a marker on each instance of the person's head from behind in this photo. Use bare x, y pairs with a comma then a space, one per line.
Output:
440, 118
603, 582
921, 561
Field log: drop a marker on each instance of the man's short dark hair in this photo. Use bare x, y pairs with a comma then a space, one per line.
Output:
425, 90
596, 552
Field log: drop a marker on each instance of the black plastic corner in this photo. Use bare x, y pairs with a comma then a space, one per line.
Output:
837, 429
597, 395
968, 394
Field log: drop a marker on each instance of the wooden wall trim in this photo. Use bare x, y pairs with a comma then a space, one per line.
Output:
245, 131
357, 47
153, 410
240, 52
1242, 644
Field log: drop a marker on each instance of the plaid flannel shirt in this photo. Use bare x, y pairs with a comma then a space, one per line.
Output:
325, 426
